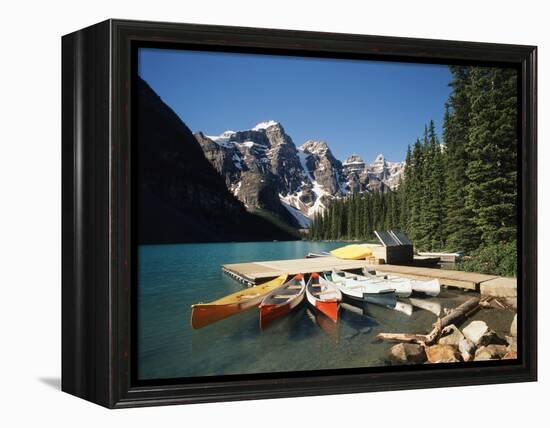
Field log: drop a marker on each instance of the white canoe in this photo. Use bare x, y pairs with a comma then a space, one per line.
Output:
355, 288
404, 308
430, 287
402, 286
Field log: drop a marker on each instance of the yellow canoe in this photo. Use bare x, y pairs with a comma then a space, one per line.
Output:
353, 252
203, 314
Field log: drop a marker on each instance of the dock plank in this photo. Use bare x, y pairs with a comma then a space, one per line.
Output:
499, 287
256, 272
453, 278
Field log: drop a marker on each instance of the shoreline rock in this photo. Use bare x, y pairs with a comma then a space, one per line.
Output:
407, 353
490, 352
481, 335
467, 349
510, 356
451, 335
443, 354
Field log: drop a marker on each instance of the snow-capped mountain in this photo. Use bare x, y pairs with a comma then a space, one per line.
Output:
264, 169
378, 176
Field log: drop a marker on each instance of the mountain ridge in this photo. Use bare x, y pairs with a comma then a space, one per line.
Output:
180, 197
303, 178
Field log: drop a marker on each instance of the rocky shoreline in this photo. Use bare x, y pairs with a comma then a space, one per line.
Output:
475, 342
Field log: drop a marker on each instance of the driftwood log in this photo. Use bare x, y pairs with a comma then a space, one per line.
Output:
453, 317
495, 302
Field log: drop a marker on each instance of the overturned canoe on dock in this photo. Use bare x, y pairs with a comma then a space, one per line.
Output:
282, 300
203, 314
353, 252
323, 295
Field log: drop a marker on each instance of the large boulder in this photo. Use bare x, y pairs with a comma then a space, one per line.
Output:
467, 349
451, 335
443, 354
490, 352
407, 353
481, 335
475, 331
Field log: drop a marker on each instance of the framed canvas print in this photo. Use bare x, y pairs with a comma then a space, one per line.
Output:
253, 213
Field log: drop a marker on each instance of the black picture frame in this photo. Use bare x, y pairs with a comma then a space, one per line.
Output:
98, 356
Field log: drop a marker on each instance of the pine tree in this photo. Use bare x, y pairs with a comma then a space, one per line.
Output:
404, 189
350, 226
368, 222
436, 191
492, 145
415, 203
459, 229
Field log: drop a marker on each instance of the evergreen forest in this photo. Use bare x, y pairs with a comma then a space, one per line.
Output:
458, 191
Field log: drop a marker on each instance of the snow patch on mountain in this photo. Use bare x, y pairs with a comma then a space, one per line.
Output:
300, 217
237, 161
318, 205
303, 161
264, 125
223, 138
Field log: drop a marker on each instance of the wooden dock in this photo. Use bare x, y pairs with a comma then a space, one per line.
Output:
453, 278
258, 272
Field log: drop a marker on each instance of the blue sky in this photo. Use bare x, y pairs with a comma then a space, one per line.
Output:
363, 107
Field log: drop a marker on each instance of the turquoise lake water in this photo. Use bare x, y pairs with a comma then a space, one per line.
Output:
172, 277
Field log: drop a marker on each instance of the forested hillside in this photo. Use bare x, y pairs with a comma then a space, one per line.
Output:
459, 190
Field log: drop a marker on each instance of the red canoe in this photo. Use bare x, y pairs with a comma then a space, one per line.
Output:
323, 295
282, 300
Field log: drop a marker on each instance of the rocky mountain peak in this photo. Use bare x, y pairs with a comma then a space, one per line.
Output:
265, 125
379, 165
227, 134
380, 158
319, 148
353, 160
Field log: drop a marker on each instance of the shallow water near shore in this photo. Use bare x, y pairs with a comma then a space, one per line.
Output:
172, 277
